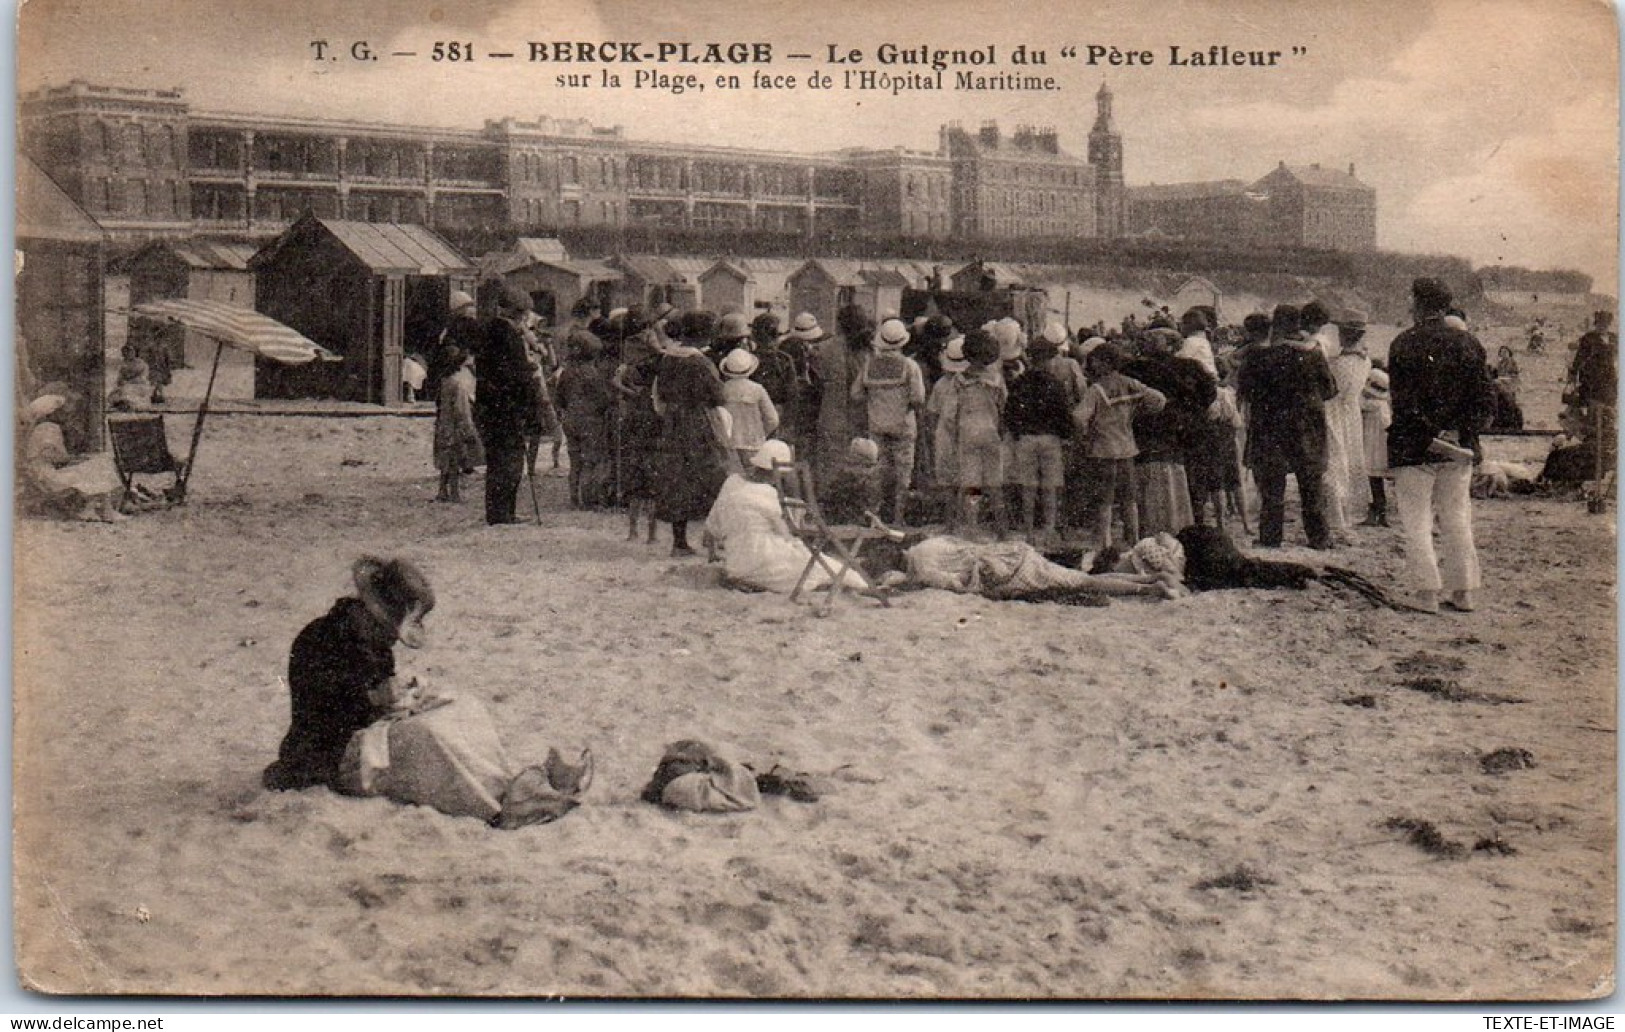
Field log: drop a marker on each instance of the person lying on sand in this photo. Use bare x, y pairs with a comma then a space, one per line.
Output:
360, 728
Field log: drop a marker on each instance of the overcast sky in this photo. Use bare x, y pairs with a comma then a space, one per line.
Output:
1488, 127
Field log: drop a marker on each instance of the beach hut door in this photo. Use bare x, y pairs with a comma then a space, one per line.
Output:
392, 335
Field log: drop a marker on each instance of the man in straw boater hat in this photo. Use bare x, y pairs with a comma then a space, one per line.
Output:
1439, 382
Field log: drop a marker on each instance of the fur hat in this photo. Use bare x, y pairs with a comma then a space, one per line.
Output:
773, 452
765, 326
734, 326
1430, 295
513, 299
397, 593
864, 448
697, 329
1286, 321
805, 327
892, 335
980, 348
1163, 339
739, 363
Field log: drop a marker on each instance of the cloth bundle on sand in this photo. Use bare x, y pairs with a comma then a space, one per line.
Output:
693, 775
444, 753
1016, 570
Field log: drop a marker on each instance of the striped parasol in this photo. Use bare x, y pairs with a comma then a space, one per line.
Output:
239, 327
231, 326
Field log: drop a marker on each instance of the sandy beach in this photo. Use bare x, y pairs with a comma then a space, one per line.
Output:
1183, 799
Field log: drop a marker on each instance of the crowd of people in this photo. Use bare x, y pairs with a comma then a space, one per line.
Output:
996, 431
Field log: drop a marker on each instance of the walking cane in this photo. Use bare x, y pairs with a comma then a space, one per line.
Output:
1597, 502
535, 503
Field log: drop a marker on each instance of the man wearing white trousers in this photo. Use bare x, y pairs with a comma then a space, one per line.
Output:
1439, 384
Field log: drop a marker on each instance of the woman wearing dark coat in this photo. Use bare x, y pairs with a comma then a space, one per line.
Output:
1165, 438
692, 460
340, 667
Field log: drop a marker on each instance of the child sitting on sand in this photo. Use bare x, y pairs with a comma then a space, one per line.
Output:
855, 489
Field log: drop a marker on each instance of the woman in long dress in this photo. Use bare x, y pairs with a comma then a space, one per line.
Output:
693, 457
840, 418
1347, 489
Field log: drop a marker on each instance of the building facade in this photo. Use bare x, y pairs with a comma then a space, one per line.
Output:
146, 164
1294, 206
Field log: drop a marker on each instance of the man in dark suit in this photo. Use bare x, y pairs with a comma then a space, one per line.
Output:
503, 403
1285, 384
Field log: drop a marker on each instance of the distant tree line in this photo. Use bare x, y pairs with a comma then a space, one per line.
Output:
1534, 281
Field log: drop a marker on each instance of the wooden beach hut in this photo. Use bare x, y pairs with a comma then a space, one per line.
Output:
370, 292
61, 269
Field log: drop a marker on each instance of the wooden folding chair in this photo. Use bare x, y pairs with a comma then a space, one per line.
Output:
141, 447
835, 548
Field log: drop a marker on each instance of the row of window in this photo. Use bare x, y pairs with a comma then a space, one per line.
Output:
140, 198
534, 212
1040, 175
1027, 202
134, 143
930, 188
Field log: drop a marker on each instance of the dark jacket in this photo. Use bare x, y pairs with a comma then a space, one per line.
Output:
1439, 382
1166, 435
1285, 388
505, 399
331, 668
1037, 404
1595, 370
464, 333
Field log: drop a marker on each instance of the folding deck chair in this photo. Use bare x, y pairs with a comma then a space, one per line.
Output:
141, 447
835, 547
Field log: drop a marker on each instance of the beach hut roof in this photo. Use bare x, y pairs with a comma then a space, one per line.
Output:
46, 212
540, 248
212, 254
404, 248
647, 267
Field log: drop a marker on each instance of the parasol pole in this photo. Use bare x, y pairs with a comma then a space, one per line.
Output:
197, 428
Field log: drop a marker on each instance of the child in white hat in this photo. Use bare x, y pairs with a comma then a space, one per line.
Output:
892, 388
754, 416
